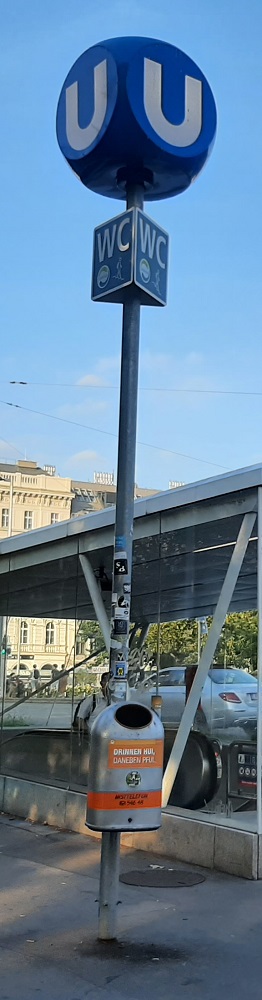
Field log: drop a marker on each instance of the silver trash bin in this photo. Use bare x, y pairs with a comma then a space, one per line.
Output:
125, 770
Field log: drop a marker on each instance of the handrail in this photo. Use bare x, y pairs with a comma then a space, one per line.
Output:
48, 684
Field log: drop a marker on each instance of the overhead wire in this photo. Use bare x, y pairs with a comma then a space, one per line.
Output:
97, 430
10, 445
142, 388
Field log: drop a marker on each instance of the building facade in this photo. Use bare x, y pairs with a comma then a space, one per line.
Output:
30, 498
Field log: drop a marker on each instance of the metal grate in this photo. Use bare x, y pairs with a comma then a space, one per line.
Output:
161, 877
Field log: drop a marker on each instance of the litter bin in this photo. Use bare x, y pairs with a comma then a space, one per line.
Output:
125, 770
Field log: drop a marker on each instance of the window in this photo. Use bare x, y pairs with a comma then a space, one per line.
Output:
50, 634
5, 517
54, 518
167, 678
28, 520
80, 645
24, 633
231, 676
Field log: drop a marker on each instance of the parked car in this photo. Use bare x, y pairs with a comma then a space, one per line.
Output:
229, 697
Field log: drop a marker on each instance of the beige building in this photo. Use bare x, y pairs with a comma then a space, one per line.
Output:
32, 497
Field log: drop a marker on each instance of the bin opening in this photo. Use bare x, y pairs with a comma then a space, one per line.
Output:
133, 716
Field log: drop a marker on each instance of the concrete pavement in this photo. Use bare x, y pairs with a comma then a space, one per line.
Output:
198, 942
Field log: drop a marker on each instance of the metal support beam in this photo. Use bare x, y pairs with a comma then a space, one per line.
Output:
143, 634
259, 663
3, 621
96, 598
132, 635
206, 658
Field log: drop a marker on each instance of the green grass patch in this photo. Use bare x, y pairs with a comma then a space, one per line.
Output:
16, 723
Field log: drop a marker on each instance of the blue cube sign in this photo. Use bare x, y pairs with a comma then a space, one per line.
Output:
130, 250
151, 257
113, 257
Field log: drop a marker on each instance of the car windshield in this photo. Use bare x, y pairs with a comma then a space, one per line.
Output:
230, 676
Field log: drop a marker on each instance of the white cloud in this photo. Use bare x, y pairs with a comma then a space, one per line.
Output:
109, 364
9, 451
82, 411
81, 457
171, 364
91, 379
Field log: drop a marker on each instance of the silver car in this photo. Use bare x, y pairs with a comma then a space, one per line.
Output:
228, 700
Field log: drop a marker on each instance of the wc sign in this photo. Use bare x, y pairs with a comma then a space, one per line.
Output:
130, 250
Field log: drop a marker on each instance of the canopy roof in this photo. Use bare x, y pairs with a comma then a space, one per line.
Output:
183, 542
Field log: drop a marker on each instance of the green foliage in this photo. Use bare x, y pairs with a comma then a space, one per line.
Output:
16, 722
178, 639
237, 645
92, 630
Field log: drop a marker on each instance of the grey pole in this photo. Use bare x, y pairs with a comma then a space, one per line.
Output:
3, 626
126, 461
121, 584
198, 641
109, 882
96, 598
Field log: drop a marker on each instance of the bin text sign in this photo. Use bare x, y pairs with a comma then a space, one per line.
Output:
112, 801
124, 753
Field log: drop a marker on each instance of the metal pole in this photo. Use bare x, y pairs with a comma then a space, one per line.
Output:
122, 565
198, 641
3, 626
259, 663
18, 645
109, 882
96, 598
10, 519
121, 582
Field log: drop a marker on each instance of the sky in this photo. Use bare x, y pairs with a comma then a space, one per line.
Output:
200, 388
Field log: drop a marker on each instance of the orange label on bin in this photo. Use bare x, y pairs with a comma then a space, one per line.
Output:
124, 800
136, 754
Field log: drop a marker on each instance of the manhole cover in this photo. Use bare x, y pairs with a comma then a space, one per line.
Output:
162, 878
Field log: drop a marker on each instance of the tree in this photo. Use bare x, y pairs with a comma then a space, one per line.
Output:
237, 645
92, 631
177, 639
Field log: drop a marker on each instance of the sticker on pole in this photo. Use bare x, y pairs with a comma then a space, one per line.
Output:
121, 564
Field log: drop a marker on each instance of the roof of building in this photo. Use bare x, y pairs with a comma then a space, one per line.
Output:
20, 466
183, 541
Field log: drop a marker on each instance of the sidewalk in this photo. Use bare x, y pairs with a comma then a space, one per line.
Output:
199, 942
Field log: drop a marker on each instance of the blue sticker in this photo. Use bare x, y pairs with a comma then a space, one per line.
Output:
121, 669
120, 541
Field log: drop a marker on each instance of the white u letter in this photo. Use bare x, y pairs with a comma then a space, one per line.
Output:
80, 138
176, 135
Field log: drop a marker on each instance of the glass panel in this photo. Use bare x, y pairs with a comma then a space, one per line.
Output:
53, 659
194, 562
38, 705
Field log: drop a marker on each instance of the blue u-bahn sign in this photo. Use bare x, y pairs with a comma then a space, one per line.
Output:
130, 249
136, 110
